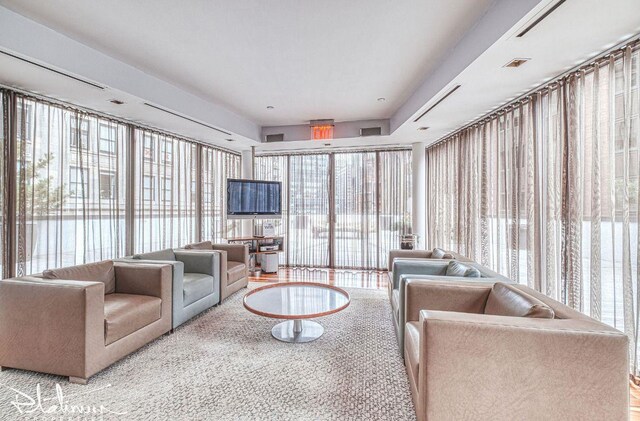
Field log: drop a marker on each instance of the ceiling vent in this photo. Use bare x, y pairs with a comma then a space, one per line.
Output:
274, 137
370, 131
86, 82
540, 19
517, 62
445, 96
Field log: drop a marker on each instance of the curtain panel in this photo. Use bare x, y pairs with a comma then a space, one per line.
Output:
80, 187
165, 191
4, 152
546, 191
344, 209
69, 186
217, 166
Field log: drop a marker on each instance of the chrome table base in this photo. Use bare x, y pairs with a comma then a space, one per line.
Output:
297, 331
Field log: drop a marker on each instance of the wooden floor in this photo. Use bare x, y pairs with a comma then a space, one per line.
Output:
336, 277
374, 280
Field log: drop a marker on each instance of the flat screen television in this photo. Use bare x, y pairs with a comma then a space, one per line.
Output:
249, 199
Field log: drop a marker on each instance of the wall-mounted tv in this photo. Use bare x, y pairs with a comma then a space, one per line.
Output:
248, 199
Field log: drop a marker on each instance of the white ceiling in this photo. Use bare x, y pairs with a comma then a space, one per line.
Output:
321, 59
308, 59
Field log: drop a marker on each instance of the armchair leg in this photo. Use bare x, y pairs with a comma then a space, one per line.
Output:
78, 380
3, 368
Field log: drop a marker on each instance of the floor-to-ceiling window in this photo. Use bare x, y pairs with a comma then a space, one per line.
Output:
69, 187
341, 209
217, 166
165, 191
80, 187
308, 224
546, 190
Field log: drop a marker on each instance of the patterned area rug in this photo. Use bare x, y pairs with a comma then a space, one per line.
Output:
224, 365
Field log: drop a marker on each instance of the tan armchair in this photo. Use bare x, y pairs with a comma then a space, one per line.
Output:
78, 320
234, 265
505, 352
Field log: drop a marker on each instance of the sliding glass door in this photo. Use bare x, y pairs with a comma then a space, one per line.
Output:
308, 218
342, 210
355, 206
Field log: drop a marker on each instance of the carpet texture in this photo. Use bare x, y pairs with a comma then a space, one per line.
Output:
224, 365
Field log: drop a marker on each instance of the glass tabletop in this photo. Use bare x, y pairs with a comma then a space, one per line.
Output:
296, 300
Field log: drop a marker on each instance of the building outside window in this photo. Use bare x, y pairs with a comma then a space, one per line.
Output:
78, 182
79, 134
108, 137
148, 188
107, 185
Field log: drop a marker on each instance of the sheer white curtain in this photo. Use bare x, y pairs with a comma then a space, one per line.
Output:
275, 168
70, 186
546, 191
394, 180
309, 210
343, 208
4, 135
165, 191
217, 166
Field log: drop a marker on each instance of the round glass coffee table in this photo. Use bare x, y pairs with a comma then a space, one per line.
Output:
295, 302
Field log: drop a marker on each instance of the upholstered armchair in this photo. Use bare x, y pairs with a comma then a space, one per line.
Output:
234, 265
504, 352
76, 321
196, 280
433, 269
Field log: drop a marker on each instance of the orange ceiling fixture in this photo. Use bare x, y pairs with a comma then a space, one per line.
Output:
321, 129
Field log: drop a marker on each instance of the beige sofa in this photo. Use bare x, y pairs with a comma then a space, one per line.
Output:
505, 352
76, 321
234, 265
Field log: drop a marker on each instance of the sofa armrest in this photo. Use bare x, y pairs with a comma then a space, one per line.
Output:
52, 326
423, 293
154, 280
235, 252
416, 254
200, 261
417, 267
517, 365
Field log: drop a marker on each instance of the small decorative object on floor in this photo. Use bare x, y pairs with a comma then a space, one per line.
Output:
408, 241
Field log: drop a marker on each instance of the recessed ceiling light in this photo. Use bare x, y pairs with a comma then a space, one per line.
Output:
229, 140
116, 101
422, 128
270, 107
517, 62
381, 99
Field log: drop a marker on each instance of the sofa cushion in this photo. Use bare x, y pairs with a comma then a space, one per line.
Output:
412, 347
166, 254
505, 300
203, 245
438, 253
196, 286
235, 271
126, 313
96, 272
458, 269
